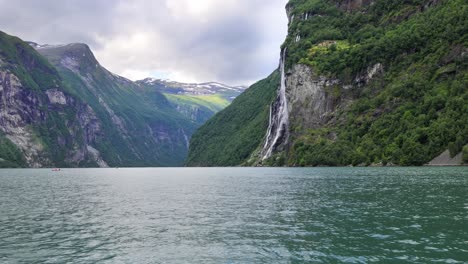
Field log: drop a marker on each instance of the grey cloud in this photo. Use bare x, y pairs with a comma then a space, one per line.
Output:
230, 41
52, 21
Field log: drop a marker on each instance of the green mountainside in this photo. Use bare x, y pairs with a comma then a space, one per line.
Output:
36, 116
139, 123
198, 108
196, 101
230, 137
361, 82
61, 108
367, 82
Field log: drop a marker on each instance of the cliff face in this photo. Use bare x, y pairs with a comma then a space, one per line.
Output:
311, 98
146, 129
314, 101
17, 114
25, 112
75, 113
48, 126
367, 82
193, 111
326, 86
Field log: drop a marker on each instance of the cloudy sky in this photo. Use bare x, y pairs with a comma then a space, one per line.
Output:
231, 41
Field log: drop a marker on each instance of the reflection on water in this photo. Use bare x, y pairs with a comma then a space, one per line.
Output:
234, 215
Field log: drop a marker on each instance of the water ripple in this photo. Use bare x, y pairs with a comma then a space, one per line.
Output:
348, 215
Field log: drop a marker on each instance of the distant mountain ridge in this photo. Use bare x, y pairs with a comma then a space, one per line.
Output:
206, 88
196, 101
59, 107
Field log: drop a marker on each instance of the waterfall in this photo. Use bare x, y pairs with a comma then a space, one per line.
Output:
277, 133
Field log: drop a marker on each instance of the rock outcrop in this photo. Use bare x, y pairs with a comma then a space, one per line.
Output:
444, 159
311, 101
23, 112
146, 128
310, 97
60, 108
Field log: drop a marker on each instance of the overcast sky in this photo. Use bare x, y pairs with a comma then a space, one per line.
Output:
230, 41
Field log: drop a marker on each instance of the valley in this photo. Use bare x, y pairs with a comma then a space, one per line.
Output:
61, 108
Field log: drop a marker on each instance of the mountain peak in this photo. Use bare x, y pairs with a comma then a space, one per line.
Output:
71, 55
81, 46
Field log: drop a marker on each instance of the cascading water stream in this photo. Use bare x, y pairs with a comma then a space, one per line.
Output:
277, 133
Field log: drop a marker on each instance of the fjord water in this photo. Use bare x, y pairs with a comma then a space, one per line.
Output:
234, 215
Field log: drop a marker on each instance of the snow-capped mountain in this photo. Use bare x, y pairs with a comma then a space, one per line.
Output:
208, 88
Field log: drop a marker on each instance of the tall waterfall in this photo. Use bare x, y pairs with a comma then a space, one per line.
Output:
278, 132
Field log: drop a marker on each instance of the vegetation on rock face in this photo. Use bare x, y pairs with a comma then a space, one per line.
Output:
10, 155
196, 101
141, 127
415, 108
214, 103
22, 60
101, 112
229, 138
198, 108
54, 125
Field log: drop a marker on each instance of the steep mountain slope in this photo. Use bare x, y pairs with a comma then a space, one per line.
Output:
233, 134
142, 127
368, 82
40, 123
196, 101
78, 114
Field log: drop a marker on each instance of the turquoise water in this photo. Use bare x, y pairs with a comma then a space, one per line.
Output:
234, 215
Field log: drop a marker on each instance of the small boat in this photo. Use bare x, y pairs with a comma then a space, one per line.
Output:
56, 169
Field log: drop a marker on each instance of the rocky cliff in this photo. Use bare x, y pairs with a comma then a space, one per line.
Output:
144, 128
60, 107
48, 126
367, 82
